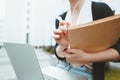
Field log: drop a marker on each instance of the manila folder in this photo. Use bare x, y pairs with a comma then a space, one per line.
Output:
95, 36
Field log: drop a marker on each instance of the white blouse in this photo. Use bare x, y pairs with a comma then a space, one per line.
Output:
84, 16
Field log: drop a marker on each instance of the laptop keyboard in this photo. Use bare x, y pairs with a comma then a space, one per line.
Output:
46, 77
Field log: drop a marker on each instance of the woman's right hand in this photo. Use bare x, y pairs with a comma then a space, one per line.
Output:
60, 34
61, 38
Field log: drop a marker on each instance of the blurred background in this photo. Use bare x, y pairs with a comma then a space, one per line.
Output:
32, 22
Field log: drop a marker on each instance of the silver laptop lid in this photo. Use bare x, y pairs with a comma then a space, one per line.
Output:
24, 61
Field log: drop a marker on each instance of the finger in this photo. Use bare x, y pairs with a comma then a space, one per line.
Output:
68, 24
57, 37
57, 31
63, 28
73, 51
77, 65
72, 59
60, 31
62, 23
68, 59
67, 54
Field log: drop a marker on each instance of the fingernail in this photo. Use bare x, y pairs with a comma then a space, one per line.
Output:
67, 24
65, 49
63, 33
60, 37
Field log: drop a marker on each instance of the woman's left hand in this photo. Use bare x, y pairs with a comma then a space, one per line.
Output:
76, 56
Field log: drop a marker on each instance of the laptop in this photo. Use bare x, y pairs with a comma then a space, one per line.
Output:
26, 65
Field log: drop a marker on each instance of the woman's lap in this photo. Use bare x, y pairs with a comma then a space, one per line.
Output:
82, 70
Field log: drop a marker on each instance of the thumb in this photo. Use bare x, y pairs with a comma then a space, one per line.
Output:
73, 51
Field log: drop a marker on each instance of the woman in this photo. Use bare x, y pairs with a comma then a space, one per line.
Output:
83, 11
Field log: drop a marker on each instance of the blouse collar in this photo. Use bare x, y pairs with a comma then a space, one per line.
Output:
85, 14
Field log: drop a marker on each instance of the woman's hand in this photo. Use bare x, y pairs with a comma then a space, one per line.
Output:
61, 38
76, 56
60, 34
